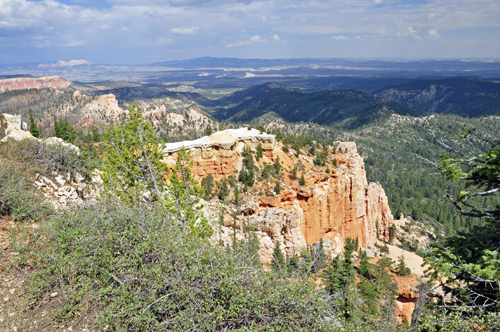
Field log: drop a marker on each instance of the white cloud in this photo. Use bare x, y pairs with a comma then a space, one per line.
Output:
340, 37
184, 31
182, 3
256, 39
409, 32
240, 43
433, 33
131, 24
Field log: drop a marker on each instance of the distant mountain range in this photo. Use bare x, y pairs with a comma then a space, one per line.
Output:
235, 72
463, 96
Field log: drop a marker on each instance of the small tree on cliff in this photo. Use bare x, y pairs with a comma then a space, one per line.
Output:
208, 130
259, 151
133, 170
34, 130
302, 180
208, 184
278, 261
64, 130
133, 161
364, 266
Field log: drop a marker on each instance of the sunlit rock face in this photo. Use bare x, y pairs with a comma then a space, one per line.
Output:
23, 83
331, 206
13, 128
220, 153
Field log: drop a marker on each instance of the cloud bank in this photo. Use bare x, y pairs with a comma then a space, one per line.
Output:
126, 31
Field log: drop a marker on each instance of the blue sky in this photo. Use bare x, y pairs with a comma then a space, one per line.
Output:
133, 32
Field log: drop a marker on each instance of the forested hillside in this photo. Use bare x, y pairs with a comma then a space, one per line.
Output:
325, 107
395, 151
470, 97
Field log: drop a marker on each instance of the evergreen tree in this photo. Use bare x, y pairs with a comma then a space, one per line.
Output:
133, 170
236, 196
132, 160
266, 172
318, 256
247, 173
208, 130
302, 180
277, 188
306, 260
293, 175
293, 264
259, 151
277, 165
223, 190
34, 130
208, 184
64, 130
364, 266
278, 260
403, 270
184, 197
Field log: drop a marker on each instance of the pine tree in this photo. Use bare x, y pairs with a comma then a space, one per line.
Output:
403, 270
293, 263
208, 184
133, 170
223, 190
293, 175
64, 130
33, 129
364, 266
277, 188
132, 160
236, 196
185, 194
208, 130
302, 180
259, 151
278, 260
247, 173
277, 165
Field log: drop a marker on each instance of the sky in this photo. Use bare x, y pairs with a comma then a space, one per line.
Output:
146, 31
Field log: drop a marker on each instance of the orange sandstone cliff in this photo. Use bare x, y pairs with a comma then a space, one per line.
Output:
21, 83
331, 206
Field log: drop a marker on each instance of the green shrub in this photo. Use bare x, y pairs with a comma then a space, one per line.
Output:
49, 158
140, 272
18, 196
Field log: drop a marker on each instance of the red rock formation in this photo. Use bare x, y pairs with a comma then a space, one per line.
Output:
331, 206
21, 83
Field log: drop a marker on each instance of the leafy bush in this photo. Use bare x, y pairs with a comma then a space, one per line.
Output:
139, 272
48, 158
18, 196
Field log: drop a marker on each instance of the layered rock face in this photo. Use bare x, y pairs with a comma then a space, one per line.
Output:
331, 206
12, 127
220, 154
22, 83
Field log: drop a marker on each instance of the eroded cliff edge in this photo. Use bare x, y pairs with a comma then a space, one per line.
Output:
332, 206
22, 83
